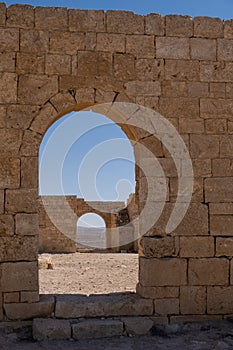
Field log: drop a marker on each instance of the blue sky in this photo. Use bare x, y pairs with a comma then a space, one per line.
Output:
213, 8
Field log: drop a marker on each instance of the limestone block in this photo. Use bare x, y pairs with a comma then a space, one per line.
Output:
137, 325
29, 172
217, 90
97, 329
192, 300
2, 201
224, 246
174, 88
155, 24
29, 297
86, 21
11, 297
18, 248
57, 64
222, 167
13, 278
203, 49
9, 39
207, 27
124, 66
2, 16
168, 47
197, 194
66, 42
6, 225
157, 292
103, 305
63, 101
24, 311
225, 50
229, 90
162, 272
218, 189
84, 94
149, 68
220, 300
221, 208
187, 70
44, 119
196, 247
2, 117
197, 89
177, 25
201, 167
228, 29
10, 173
53, 18
216, 108
7, 62
191, 126
12, 138
20, 117
167, 306
90, 42
221, 225
194, 318
30, 63
140, 45
208, 272
215, 126
94, 63
153, 247
216, 72
110, 42
149, 88
226, 146
8, 87
34, 41
36, 89
30, 143
20, 16
124, 22
46, 328
171, 107
21, 201
204, 146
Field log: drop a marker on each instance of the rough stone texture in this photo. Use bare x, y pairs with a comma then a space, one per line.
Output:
26, 224
179, 26
224, 246
196, 247
51, 329
124, 22
97, 329
18, 201
137, 325
157, 247
10, 173
212, 272
220, 300
192, 300
176, 48
218, 190
166, 306
208, 27
18, 248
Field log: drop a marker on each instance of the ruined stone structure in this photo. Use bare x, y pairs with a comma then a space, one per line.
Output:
53, 61
51, 239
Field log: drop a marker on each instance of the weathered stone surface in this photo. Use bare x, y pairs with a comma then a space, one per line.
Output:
7, 62
9, 39
97, 329
53, 18
187, 70
8, 88
221, 208
12, 138
218, 189
174, 88
216, 72
2, 16
13, 297
18, 248
29, 172
149, 69
215, 126
86, 21
204, 146
203, 49
220, 300
140, 45
177, 25
24, 311
34, 41
179, 107
63, 101
21, 201
166, 306
105, 305
228, 29
216, 108
67, 43
30, 144
155, 24
124, 66
196, 247
226, 146
157, 247
21, 16
217, 90
2, 117
208, 272
2, 201
173, 272
13, 279
29, 297
149, 88
137, 325
176, 48
191, 126
207, 27
20, 117
225, 50
157, 292
192, 300
44, 119
47, 328
94, 63
10, 173
222, 167
124, 22
221, 225
224, 246
57, 64
110, 42
36, 89
6, 225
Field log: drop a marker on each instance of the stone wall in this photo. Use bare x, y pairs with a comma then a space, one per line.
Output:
54, 60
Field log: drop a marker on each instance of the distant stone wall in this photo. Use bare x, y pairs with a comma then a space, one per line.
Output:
53, 61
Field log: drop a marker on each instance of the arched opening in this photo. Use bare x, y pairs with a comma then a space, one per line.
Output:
91, 232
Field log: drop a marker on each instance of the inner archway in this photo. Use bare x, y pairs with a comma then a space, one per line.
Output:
91, 232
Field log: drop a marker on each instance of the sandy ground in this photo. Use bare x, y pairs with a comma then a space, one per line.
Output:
90, 273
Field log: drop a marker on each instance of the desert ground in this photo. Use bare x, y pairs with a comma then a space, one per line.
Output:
89, 273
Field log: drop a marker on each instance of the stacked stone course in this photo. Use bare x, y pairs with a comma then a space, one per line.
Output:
54, 60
